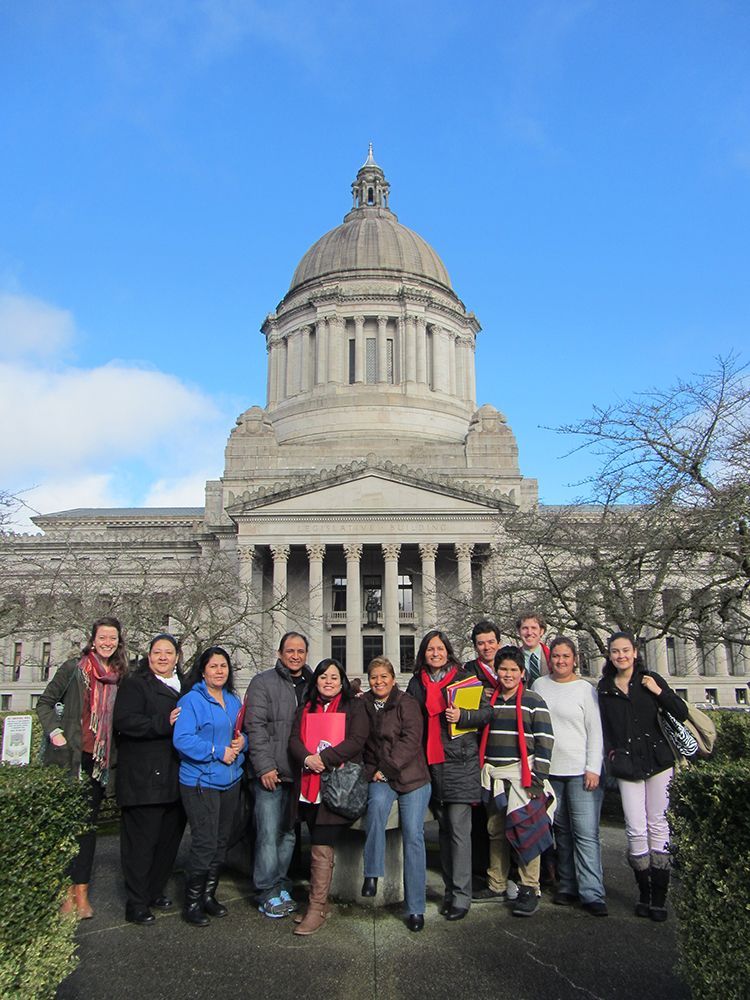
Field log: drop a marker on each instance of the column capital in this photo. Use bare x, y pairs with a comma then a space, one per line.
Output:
246, 553
391, 550
464, 549
316, 553
359, 322
280, 553
353, 551
428, 550
382, 320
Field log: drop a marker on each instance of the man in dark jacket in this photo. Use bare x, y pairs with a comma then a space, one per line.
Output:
272, 701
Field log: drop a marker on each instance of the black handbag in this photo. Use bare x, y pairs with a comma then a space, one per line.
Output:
681, 741
344, 790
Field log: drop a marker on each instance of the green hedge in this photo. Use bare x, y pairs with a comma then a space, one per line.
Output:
710, 821
41, 810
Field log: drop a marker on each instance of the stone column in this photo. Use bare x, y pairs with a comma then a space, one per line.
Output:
410, 348
471, 372
251, 596
280, 606
657, 653
315, 555
353, 554
306, 377
716, 653
428, 552
453, 383
382, 348
359, 348
270, 374
336, 352
293, 362
421, 369
390, 604
463, 554
279, 369
440, 360
461, 390
321, 357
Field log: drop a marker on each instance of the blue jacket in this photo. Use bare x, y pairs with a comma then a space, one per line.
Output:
202, 733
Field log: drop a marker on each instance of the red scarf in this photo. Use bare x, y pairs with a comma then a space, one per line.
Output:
489, 676
101, 685
310, 787
435, 705
522, 750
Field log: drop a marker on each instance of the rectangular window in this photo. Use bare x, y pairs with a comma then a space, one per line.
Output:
46, 656
712, 696
389, 377
372, 646
351, 362
371, 361
17, 655
373, 588
338, 594
681, 693
671, 657
643, 652
6, 701
406, 654
406, 594
338, 649
735, 662
740, 696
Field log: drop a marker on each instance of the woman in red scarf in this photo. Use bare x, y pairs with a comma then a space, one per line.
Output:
337, 723
75, 711
454, 768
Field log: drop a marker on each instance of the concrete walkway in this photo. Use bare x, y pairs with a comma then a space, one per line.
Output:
364, 953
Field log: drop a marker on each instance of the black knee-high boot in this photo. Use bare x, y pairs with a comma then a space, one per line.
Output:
193, 912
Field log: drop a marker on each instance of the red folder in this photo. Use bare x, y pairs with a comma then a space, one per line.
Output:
324, 728
239, 721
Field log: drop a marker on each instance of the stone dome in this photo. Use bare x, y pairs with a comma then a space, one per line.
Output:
371, 239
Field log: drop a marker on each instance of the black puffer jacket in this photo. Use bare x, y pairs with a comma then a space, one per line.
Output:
457, 780
633, 741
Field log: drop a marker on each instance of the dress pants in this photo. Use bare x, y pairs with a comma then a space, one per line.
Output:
149, 840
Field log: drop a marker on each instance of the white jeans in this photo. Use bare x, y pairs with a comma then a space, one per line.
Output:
644, 804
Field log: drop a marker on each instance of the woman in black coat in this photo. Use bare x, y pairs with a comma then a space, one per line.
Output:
153, 819
328, 694
454, 768
638, 755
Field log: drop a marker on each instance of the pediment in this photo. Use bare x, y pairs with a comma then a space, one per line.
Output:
370, 491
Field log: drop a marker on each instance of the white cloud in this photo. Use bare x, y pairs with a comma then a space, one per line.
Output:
29, 327
183, 491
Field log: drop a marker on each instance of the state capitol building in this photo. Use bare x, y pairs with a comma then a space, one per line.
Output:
368, 489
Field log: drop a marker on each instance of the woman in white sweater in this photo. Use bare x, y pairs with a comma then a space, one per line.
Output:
575, 774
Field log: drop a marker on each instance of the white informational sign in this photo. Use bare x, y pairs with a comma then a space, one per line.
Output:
17, 739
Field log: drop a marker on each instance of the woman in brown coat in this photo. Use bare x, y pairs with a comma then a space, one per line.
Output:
328, 694
396, 767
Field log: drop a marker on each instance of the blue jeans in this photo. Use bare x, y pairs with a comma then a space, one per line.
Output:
274, 843
411, 807
579, 860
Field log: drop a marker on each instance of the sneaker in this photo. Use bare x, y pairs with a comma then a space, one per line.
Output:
527, 903
596, 908
275, 907
565, 898
487, 896
288, 902
511, 890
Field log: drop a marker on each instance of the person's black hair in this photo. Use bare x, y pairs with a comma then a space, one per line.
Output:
419, 662
199, 665
563, 640
482, 627
609, 669
143, 665
312, 695
293, 635
514, 653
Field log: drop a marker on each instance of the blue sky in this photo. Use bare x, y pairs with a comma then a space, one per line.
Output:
582, 167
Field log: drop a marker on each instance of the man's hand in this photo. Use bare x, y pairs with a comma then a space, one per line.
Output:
270, 780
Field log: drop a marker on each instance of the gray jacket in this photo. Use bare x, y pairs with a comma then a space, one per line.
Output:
271, 706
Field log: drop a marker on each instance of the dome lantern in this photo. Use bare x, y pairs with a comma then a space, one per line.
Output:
370, 188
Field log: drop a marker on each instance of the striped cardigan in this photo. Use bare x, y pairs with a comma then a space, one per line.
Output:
502, 742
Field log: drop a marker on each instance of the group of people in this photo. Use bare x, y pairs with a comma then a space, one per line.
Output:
533, 752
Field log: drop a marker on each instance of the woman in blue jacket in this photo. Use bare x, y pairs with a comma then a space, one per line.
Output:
211, 756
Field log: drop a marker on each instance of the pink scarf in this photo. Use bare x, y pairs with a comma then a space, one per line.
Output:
101, 685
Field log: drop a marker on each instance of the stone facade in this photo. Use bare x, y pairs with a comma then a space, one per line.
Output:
369, 485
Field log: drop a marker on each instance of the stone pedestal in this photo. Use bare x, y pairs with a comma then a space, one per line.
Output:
349, 868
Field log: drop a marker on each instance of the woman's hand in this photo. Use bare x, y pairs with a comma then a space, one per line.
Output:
237, 744
58, 740
379, 776
590, 781
173, 715
230, 755
314, 762
650, 684
453, 714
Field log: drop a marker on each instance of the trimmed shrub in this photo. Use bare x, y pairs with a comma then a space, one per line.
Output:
41, 810
732, 735
710, 821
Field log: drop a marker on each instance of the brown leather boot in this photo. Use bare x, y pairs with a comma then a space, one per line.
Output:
318, 907
68, 905
81, 893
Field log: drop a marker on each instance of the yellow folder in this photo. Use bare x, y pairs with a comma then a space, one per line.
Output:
464, 694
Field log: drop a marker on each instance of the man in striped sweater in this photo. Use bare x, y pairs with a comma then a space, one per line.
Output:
515, 752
